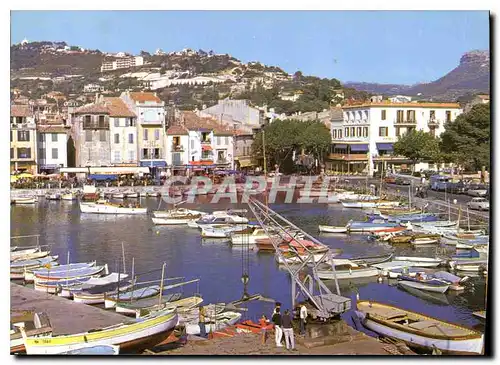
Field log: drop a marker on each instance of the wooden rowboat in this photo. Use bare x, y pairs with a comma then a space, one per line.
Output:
418, 329
143, 333
332, 229
110, 301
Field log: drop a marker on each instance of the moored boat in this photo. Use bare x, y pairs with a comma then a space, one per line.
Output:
110, 301
239, 239
212, 324
23, 200
332, 229
68, 196
175, 219
103, 207
417, 282
421, 261
346, 269
418, 329
136, 307
34, 324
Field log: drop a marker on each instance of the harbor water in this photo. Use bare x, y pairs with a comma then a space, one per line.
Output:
89, 237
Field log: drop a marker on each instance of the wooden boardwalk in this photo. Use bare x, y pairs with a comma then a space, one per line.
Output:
66, 316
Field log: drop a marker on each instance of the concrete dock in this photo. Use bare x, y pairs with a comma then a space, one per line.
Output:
66, 316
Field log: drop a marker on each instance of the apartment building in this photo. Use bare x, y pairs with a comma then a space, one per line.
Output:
52, 134
363, 140
23, 139
150, 112
121, 62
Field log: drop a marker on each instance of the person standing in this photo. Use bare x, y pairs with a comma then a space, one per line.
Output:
201, 322
303, 318
278, 332
286, 322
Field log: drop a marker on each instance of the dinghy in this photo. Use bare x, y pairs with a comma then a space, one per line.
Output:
468, 264
68, 196
407, 271
23, 200
433, 285
346, 269
143, 333
46, 270
418, 329
110, 301
370, 260
421, 261
424, 241
53, 196
332, 229
432, 297
58, 273
20, 254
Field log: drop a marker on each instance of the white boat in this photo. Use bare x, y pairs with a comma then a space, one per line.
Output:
418, 329
468, 264
222, 231
332, 229
439, 224
19, 254
54, 196
33, 324
424, 241
174, 220
212, 324
240, 239
358, 204
68, 196
146, 292
118, 195
387, 204
23, 200
108, 208
421, 261
145, 332
131, 194
346, 269
407, 271
484, 249
68, 291
432, 285
385, 267
177, 211
221, 220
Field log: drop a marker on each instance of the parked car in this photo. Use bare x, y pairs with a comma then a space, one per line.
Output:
402, 181
479, 204
477, 190
457, 188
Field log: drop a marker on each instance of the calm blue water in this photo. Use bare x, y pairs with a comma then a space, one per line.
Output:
89, 237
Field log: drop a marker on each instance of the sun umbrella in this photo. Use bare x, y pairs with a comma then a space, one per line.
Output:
25, 175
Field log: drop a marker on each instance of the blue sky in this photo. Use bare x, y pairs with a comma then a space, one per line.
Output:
372, 46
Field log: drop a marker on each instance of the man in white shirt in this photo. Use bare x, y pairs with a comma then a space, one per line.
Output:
303, 316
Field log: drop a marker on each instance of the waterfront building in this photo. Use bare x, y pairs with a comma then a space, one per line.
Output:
363, 140
123, 132
150, 112
23, 142
243, 157
52, 134
177, 143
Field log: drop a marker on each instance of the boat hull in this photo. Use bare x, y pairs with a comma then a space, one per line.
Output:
109, 209
332, 229
348, 274
424, 286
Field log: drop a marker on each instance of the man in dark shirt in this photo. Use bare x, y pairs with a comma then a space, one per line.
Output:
278, 332
286, 323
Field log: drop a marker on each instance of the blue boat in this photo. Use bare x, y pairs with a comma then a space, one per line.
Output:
94, 350
370, 226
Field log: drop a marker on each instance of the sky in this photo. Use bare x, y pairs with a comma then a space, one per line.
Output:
401, 47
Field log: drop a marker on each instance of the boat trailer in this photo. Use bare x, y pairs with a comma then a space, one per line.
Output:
282, 233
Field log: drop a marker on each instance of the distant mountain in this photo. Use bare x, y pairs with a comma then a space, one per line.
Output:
471, 76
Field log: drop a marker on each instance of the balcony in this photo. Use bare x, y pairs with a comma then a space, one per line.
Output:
151, 122
177, 148
433, 123
346, 157
405, 122
96, 124
206, 142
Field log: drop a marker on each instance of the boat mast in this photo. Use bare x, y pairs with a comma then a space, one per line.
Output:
67, 269
118, 286
123, 256
468, 219
161, 283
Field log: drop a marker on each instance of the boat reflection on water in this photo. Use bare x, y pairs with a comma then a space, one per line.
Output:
436, 298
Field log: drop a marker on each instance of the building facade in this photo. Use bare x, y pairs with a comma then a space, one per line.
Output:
177, 143
150, 112
122, 62
23, 139
363, 141
243, 157
52, 147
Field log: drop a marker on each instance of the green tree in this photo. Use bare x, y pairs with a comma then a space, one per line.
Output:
418, 146
467, 139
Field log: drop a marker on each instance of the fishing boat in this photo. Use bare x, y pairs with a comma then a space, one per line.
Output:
346, 269
110, 301
143, 333
15, 255
218, 231
212, 324
453, 237
89, 282
413, 218
385, 267
433, 285
68, 196
370, 260
175, 219
358, 204
49, 268
424, 241
33, 324
408, 238
53, 285
68, 272
332, 229
240, 239
418, 329
117, 195
469, 264
396, 272
421, 261
455, 281
136, 307
100, 350
480, 314
104, 207
177, 212
293, 258
23, 200
54, 196
28, 254
19, 269
436, 224
373, 226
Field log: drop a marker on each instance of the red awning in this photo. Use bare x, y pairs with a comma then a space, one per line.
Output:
206, 148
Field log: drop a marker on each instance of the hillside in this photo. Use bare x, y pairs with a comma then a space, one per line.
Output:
472, 75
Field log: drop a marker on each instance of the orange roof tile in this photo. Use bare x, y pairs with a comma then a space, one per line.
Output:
52, 128
194, 122
177, 130
118, 108
141, 97
93, 109
20, 111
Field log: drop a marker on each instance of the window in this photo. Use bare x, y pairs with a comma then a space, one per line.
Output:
41, 153
145, 135
156, 153
145, 153
340, 133
346, 132
365, 131
130, 122
334, 134
88, 136
410, 115
55, 153
353, 132
192, 144
384, 114
358, 132
117, 138
11, 152
398, 131
54, 137
448, 116
11, 136
24, 153
157, 134
432, 115
23, 136
131, 138
131, 155
102, 136
101, 120
382, 131
400, 116
117, 122
88, 119
117, 156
